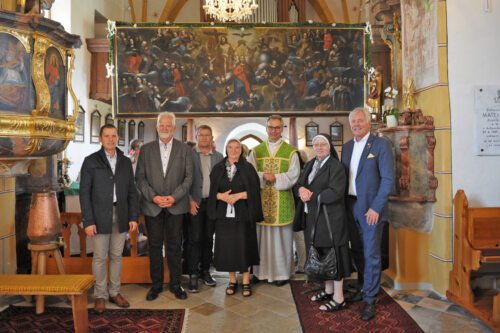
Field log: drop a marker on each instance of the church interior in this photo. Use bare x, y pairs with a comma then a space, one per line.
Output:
425, 69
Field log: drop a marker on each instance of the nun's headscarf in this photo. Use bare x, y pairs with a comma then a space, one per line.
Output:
326, 138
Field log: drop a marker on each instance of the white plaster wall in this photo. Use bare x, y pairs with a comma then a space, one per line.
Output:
473, 53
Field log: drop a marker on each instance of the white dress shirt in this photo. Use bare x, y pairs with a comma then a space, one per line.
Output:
165, 150
112, 163
357, 150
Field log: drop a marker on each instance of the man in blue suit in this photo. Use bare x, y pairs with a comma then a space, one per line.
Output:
369, 164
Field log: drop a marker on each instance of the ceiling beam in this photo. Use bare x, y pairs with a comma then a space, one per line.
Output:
167, 9
132, 10
322, 10
144, 10
177, 8
345, 11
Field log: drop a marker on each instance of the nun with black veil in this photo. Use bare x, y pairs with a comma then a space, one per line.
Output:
323, 183
235, 205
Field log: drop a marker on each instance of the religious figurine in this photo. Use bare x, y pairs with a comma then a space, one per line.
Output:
375, 91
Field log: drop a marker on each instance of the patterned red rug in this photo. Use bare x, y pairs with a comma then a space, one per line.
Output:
390, 316
58, 320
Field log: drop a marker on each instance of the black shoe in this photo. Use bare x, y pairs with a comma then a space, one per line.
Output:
280, 283
179, 292
208, 280
356, 297
368, 312
254, 280
153, 294
193, 284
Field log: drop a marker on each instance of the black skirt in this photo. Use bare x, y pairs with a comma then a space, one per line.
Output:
236, 247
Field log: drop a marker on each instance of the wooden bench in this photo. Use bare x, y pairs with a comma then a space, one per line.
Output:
135, 268
476, 240
74, 285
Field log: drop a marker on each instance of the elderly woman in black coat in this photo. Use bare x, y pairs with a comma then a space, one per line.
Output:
323, 182
234, 203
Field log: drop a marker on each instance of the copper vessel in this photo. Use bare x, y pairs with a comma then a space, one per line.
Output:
44, 222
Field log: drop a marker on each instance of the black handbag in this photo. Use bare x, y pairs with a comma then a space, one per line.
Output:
321, 267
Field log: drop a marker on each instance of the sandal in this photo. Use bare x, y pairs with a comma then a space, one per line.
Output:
333, 306
231, 288
322, 296
247, 290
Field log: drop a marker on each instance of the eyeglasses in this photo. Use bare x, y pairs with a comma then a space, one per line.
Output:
272, 128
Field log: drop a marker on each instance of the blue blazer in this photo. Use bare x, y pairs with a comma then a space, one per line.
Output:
375, 176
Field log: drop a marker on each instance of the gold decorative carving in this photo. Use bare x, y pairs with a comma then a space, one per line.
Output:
72, 117
38, 69
397, 28
37, 127
22, 36
409, 95
33, 145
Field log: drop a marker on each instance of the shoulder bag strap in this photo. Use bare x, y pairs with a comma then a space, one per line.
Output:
325, 212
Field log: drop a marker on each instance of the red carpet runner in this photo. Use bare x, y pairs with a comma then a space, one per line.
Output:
390, 316
56, 320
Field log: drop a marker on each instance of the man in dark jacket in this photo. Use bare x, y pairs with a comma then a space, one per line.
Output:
201, 229
109, 203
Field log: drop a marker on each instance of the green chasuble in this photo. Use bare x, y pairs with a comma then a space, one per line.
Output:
278, 206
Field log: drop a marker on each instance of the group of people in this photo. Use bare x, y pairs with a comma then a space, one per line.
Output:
252, 205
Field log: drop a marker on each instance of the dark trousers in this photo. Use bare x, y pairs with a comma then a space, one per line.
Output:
201, 231
165, 227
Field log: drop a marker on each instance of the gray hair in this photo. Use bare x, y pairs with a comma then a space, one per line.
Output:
367, 114
164, 114
275, 116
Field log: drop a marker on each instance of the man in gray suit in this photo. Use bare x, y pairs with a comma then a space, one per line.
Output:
164, 176
200, 228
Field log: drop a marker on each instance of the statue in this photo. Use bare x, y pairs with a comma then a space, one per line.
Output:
375, 90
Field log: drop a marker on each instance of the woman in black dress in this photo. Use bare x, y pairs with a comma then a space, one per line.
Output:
234, 203
323, 182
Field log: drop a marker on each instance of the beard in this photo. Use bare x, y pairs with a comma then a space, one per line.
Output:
164, 135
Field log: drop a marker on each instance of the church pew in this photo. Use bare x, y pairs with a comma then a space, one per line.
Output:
135, 269
476, 240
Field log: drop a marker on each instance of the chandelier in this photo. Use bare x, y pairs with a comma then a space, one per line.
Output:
230, 10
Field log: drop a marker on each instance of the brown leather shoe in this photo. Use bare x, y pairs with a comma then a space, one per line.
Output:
120, 301
100, 305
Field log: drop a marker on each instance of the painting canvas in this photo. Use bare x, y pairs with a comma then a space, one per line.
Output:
199, 70
55, 75
15, 76
80, 126
420, 44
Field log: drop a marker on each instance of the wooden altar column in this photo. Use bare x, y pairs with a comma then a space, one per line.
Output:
292, 131
190, 123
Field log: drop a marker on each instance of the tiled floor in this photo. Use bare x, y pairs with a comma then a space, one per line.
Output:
271, 308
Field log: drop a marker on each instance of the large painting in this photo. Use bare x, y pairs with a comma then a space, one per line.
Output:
420, 44
15, 76
256, 70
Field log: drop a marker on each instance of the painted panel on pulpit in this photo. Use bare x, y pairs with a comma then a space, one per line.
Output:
55, 75
15, 76
236, 71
